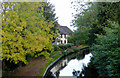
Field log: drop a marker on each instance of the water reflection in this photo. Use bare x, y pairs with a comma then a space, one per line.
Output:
71, 65
75, 65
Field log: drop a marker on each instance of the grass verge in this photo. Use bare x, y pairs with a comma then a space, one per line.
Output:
48, 63
54, 52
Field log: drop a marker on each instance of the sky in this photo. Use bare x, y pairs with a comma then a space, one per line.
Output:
64, 12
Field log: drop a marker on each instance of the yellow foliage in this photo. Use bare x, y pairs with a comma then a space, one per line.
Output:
25, 31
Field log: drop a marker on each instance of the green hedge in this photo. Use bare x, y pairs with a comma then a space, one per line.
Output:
65, 46
75, 49
56, 47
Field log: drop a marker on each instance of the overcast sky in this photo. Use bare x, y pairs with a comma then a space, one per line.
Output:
63, 11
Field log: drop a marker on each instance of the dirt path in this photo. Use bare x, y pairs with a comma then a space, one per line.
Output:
32, 69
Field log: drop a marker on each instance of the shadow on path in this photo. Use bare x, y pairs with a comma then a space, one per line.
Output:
32, 69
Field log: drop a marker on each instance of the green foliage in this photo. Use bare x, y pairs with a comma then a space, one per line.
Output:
65, 46
50, 61
69, 50
49, 13
80, 36
75, 49
25, 32
54, 53
96, 17
106, 52
56, 48
103, 35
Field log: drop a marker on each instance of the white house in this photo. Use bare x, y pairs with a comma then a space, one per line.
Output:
64, 33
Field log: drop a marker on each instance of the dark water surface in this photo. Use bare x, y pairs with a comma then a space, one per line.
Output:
70, 66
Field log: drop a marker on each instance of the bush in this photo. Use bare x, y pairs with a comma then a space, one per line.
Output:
75, 49
62, 46
64, 52
80, 36
106, 53
56, 48
65, 46
70, 45
70, 50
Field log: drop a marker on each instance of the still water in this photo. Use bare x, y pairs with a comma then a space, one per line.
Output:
71, 65
75, 65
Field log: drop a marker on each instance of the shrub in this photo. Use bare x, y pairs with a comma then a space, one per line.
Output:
80, 36
69, 50
56, 48
64, 52
75, 49
70, 45
106, 53
65, 46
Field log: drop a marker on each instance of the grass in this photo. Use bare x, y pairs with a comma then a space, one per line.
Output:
48, 63
54, 58
53, 53
85, 46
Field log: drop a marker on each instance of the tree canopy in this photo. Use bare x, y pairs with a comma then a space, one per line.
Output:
96, 16
99, 26
25, 31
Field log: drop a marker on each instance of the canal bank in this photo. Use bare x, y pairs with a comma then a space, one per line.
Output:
82, 52
37, 66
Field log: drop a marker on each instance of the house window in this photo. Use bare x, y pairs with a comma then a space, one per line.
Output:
61, 41
61, 35
65, 35
64, 41
58, 40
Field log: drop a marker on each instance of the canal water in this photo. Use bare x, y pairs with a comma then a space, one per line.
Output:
71, 66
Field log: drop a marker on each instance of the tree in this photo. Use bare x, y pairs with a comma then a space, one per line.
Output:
96, 17
103, 36
80, 36
25, 31
107, 53
50, 15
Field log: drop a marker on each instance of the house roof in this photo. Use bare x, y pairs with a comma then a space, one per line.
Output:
64, 30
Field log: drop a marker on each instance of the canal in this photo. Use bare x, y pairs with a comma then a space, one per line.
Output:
72, 65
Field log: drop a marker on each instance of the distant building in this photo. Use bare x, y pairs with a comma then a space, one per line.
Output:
64, 33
